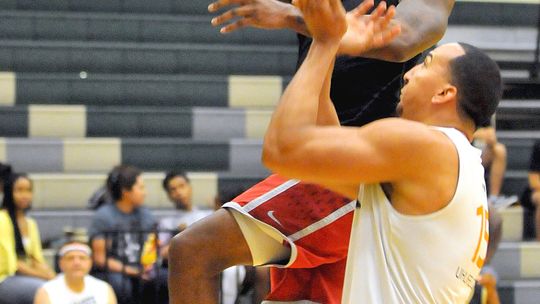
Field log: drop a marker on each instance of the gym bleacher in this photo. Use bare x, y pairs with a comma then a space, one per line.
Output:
86, 85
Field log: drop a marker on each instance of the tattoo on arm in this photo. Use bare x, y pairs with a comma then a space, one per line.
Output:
300, 21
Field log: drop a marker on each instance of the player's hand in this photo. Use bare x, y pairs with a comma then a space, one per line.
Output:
265, 14
325, 19
368, 32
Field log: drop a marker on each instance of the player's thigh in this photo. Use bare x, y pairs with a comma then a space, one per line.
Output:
216, 238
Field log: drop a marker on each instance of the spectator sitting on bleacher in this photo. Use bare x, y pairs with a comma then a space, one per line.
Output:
494, 161
74, 284
22, 266
530, 198
179, 190
117, 234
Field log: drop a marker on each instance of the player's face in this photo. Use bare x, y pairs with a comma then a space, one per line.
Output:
179, 191
137, 193
425, 81
22, 193
75, 264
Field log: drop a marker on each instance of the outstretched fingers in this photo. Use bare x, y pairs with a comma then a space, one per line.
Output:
362, 8
241, 11
378, 12
215, 6
384, 31
238, 24
383, 38
382, 22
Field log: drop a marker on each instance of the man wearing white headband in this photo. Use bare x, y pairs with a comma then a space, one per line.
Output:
74, 285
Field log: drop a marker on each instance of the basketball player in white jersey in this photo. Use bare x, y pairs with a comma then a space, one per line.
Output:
74, 285
420, 230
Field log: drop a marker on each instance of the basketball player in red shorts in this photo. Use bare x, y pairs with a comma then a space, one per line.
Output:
302, 228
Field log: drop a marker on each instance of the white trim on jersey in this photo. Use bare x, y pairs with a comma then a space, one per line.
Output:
269, 195
329, 219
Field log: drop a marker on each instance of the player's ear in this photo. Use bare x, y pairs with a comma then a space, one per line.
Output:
445, 94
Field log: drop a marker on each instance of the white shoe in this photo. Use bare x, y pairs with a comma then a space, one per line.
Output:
502, 202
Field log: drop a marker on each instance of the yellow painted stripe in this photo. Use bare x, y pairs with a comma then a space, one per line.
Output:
69, 191
8, 89
57, 121
3, 153
512, 227
257, 122
205, 188
64, 191
254, 91
155, 195
530, 255
91, 155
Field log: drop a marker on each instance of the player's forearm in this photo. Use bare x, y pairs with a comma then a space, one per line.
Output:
423, 23
298, 107
326, 114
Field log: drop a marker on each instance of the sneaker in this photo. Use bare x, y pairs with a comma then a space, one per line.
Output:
502, 202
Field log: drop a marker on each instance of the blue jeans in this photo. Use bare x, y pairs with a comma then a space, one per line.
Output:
19, 289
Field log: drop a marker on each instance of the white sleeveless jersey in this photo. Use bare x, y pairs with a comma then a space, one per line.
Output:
95, 291
435, 258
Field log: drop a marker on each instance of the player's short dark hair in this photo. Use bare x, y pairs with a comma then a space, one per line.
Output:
121, 177
479, 84
172, 174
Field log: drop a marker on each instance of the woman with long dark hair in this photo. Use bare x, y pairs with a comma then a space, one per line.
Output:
22, 266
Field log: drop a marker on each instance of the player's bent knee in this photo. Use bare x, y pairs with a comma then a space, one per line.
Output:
185, 258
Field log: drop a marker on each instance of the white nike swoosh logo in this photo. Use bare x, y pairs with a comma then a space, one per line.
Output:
271, 215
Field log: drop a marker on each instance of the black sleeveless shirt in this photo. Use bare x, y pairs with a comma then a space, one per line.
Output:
363, 89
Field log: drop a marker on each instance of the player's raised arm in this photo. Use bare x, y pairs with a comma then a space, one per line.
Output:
294, 143
265, 14
423, 23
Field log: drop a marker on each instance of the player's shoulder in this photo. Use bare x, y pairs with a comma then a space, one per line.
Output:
404, 128
407, 135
